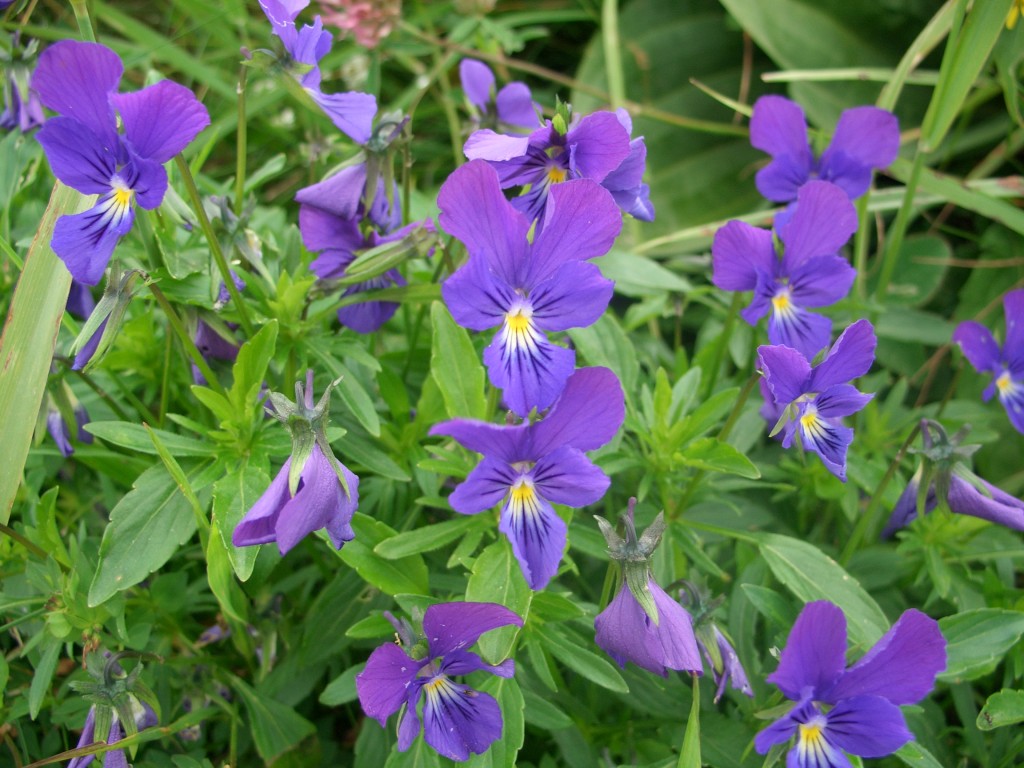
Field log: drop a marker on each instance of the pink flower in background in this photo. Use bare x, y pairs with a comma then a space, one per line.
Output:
368, 21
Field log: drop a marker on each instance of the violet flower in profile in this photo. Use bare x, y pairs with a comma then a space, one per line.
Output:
809, 273
944, 476
79, 80
512, 107
561, 150
526, 467
457, 720
856, 710
61, 431
145, 717
1006, 363
626, 182
715, 647
351, 112
814, 400
528, 289
313, 490
642, 623
865, 138
22, 109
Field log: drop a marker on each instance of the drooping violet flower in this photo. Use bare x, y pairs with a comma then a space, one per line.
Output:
561, 150
865, 138
526, 467
351, 196
715, 647
944, 476
808, 273
22, 109
145, 717
529, 289
510, 108
79, 80
457, 720
313, 490
1006, 363
61, 432
814, 400
855, 710
643, 624
212, 345
352, 112
626, 182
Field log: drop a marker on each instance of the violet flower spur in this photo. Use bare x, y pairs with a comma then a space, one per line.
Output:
526, 467
529, 289
457, 720
855, 710
865, 138
1006, 363
79, 80
808, 274
814, 400
313, 490
511, 107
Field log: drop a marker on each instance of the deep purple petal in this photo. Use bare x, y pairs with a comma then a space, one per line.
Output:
161, 120
504, 442
906, 506
626, 185
338, 195
841, 400
822, 223
781, 179
786, 372
978, 346
516, 107
778, 126
597, 145
566, 476
478, 297
456, 626
486, 144
474, 210
738, 253
339, 526
319, 501
867, 726
84, 355
369, 316
815, 652
535, 531
779, 732
330, 263
85, 241
825, 437
849, 358
147, 180
790, 326
865, 138
259, 523
382, 684
574, 296
467, 662
477, 82
529, 369
586, 415
486, 485
322, 230
458, 720
409, 721
1000, 508
352, 112
581, 221
901, 667
77, 156
212, 345
1013, 347
821, 281
80, 300
76, 79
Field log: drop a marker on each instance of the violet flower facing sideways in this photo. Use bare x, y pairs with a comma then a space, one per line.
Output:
1006, 363
865, 138
814, 400
855, 710
79, 80
529, 289
529, 466
511, 107
313, 490
808, 274
457, 720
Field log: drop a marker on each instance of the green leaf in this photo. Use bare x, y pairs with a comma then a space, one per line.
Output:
770, 604
419, 755
426, 539
358, 402
276, 728
812, 575
42, 676
921, 267
605, 343
219, 574
580, 659
689, 754
250, 370
364, 451
456, 367
977, 640
638, 276
408, 574
540, 712
913, 754
712, 455
1003, 708
502, 753
342, 689
146, 527
136, 437
497, 578
233, 496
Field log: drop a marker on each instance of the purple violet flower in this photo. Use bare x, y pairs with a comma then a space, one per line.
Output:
80, 302
809, 273
855, 710
1006, 363
590, 148
145, 717
865, 138
512, 106
814, 400
60, 430
526, 467
79, 80
626, 182
529, 289
313, 490
726, 667
457, 720
352, 112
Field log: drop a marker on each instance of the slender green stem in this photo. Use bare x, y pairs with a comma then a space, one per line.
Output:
899, 228
860, 247
165, 381
102, 393
612, 56
214, 243
722, 345
32, 547
241, 144
190, 346
81, 9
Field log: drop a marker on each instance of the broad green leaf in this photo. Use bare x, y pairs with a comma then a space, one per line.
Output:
233, 496
359, 403
146, 527
1003, 708
419, 755
540, 712
572, 654
502, 753
332, 612
812, 575
136, 438
342, 689
456, 367
276, 727
913, 754
638, 276
906, 324
250, 370
220, 576
42, 676
920, 270
497, 578
712, 455
408, 574
605, 343
770, 604
977, 640
426, 539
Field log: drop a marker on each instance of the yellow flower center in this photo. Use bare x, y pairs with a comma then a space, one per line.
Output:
810, 732
518, 321
780, 301
522, 493
556, 174
123, 196
1004, 382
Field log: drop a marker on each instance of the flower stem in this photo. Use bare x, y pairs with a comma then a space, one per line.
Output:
190, 346
860, 248
214, 243
899, 228
81, 9
612, 47
241, 144
723, 344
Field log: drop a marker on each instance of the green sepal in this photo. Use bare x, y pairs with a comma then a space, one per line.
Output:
117, 295
104, 719
705, 632
303, 441
638, 576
